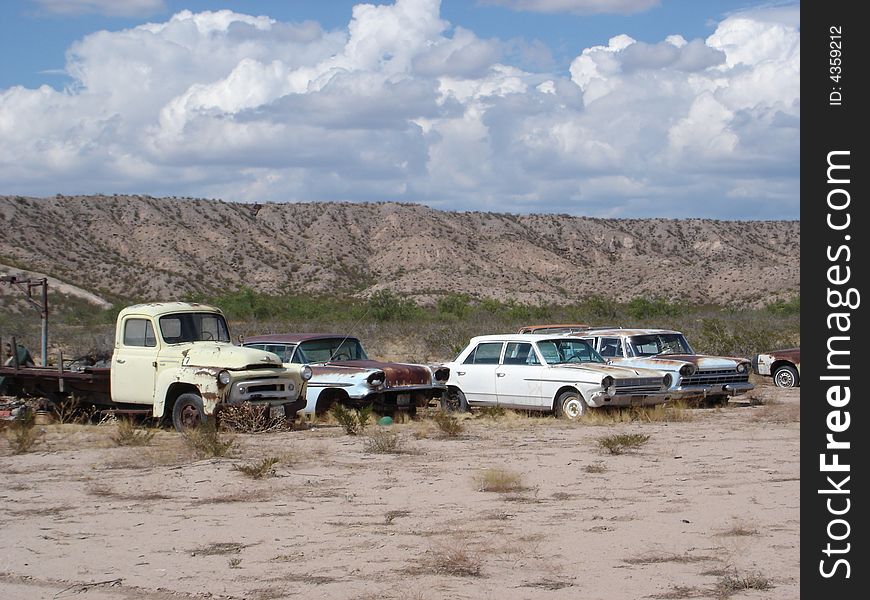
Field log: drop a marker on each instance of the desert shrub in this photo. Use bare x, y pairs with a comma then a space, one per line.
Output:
448, 424
206, 441
264, 468
619, 443
595, 468
785, 307
71, 410
127, 434
23, 434
386, 305
645, 308
730, 584
354, 422
499, 480
599, 307
454, 305
383, 441
454, 559
250, 418
492, 412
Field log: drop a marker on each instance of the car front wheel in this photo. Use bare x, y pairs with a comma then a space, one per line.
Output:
570, 405
454, 401
785, 377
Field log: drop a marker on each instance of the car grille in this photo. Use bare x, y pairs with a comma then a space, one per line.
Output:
638, 385
716, 377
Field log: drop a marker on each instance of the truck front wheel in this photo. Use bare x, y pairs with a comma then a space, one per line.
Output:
188, 412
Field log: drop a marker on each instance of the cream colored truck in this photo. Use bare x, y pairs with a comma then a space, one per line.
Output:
176, 359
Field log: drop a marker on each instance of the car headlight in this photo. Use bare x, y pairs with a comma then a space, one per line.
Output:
742, 368
687, 370
305, 373
376, 379
224, 378
607, 382
667, 380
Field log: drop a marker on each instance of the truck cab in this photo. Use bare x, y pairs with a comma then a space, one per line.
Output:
177, 357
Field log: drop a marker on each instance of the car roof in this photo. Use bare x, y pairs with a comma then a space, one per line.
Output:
294, 338
534, 328
625, 332
521, 337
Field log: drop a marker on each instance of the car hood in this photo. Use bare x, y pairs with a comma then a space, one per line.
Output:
615, 371
225, 356
673, 362
396, 374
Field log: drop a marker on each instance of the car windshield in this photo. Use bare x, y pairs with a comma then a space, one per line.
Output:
324, 350
180, 328
563, 351
659, 343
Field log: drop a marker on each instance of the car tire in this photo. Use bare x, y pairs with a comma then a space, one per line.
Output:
454, 401
785, 376
188, 413
570, 405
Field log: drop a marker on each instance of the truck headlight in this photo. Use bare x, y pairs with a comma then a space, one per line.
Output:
224, 378
667, 380
742, 368
687, 370
305, 373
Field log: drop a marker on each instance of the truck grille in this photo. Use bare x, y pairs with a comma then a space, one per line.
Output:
638, 385
716, 377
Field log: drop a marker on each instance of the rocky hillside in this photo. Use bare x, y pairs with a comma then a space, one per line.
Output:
139, 247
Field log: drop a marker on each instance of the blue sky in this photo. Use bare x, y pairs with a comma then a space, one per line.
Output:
622, 108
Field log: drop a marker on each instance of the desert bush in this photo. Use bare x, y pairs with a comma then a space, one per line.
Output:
383, 441
23, 434
619, 443
386, 305
264, 468
249, 418
207, 442
645, 308
448, 424
354, 422
492, 412
457, 306
454, 559
127, 434
595, 468
71, 410
730, 584
499, 480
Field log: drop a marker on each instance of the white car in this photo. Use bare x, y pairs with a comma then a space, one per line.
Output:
548, 373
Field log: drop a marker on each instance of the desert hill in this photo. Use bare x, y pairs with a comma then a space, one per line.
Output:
139, 247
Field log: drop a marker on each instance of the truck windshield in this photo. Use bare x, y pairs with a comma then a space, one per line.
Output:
324, 350
183, 328
560, 351
659, 343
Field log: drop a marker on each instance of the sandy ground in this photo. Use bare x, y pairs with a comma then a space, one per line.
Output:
706, 507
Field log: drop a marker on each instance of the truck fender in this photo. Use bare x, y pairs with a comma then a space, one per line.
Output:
174, 381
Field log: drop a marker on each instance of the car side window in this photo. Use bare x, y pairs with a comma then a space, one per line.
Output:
549, 351
611, 347
519, 353
486, 353
139, 332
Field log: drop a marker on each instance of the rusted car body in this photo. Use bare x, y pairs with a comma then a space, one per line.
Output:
695, 376
342, 372
783, 365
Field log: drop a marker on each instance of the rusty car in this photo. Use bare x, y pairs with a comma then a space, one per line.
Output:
554, 328
342, 372
713, 379
783, 365
542, 372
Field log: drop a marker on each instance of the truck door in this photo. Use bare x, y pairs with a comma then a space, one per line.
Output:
133, 363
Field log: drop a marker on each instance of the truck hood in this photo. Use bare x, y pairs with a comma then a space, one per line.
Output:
397, 374
673, 362
226, 356
615, 371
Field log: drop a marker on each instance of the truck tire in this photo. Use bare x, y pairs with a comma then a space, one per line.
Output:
187, 413
785, 376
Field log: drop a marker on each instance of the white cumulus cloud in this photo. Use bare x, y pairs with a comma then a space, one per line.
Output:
402, 105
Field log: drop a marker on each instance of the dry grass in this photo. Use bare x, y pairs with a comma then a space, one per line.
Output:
384, 441
453, 558
778, 412
218, 549
677, 412
740, 530
654, 559
622, 442
246, 496
264, 468
595, 468
448, 424
354, 422
22, 434
104, 491
728, 585
250, 418
127, 434
499, 480
207, 442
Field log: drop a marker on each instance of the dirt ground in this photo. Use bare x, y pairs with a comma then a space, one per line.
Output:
707, 508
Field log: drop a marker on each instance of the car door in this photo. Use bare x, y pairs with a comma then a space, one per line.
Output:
134, 363
476, 375
518, 377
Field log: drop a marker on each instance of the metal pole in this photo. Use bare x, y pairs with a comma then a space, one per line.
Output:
44, 322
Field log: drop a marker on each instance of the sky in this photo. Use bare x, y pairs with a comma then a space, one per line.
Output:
602, 108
